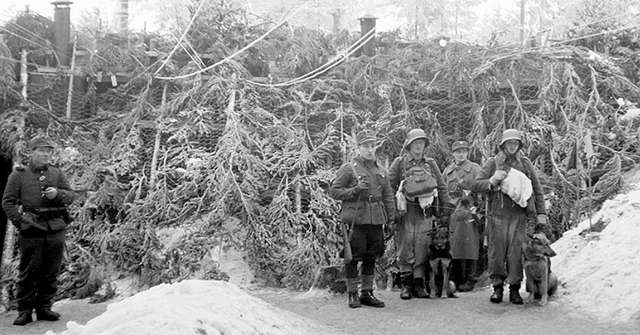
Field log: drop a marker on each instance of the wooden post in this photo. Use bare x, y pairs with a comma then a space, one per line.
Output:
23, 73
73, 66
156, 144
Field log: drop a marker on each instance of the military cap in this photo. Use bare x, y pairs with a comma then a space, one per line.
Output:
365, 136
459, 145
39, 142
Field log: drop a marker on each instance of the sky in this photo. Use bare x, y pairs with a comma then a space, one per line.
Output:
138, 17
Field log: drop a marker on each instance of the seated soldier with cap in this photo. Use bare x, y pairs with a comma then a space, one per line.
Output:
35, 200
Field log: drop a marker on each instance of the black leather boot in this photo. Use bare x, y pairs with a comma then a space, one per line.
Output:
23, 318
368, 299
514, 294
419, 290
407, 286
354, 300
498, 291
46, 314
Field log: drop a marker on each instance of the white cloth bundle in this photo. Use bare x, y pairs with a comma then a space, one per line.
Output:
518, 187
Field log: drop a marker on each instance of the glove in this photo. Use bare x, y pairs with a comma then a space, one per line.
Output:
50, 193
542, 219
361, 186
498, 177
25, 223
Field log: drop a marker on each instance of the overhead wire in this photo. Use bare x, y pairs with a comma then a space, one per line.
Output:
325, 67
184, 33
226, 59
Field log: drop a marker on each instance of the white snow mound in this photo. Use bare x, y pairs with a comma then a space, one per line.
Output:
196, 307
600, 272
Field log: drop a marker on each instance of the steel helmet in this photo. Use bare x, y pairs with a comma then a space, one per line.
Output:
415, 134
459, 145
511, 134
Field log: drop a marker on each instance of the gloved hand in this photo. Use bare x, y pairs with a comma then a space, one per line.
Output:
50, 193
25, 223
361, 186
498, 177
542, 219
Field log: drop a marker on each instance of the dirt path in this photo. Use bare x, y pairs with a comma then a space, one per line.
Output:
471, 313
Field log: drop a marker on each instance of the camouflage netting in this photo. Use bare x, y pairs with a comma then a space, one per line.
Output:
220, 147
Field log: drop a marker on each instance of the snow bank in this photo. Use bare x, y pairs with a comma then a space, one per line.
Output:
600, 272
194, 307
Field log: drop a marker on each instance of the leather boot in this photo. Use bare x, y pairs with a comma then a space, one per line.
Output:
368, 299
23, 318
407, 286
354, 300
419, 290
46, 314
514, 294
498, 291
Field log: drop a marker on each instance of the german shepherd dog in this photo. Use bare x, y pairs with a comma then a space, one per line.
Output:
541, 283
440, 263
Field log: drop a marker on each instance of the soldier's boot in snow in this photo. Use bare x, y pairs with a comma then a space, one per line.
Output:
514, 294
352, 289
496, 297
23, 318
407, 286
354, 300
46, 314
368, 299
419, 290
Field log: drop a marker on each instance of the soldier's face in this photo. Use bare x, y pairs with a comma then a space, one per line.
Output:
417, 147
41, 155
511, 146
367, 150
460, 155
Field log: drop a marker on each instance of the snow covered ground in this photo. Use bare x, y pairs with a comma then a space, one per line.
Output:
195, 307
600, 271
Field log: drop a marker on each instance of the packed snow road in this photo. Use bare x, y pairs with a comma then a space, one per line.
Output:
471, 313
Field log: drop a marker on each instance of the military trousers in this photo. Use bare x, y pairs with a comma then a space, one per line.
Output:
506, 233
40, 259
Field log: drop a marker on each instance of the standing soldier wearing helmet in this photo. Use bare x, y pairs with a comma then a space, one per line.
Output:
419, 180
34, 200
466, 237
367, 205
508, 218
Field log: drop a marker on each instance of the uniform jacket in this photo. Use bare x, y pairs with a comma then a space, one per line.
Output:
397, 174
376, 205
500, 203
24, 187
460, 177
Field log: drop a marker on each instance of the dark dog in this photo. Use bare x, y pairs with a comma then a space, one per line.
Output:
541, 283
440, 262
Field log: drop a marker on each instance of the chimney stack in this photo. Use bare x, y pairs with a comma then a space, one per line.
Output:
62, 27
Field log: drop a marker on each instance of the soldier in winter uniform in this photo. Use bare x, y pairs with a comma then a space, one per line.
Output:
422, 210
367, 205
34, 200
466, 237
507, 220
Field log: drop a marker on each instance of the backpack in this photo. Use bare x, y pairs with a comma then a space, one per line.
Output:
418, 181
